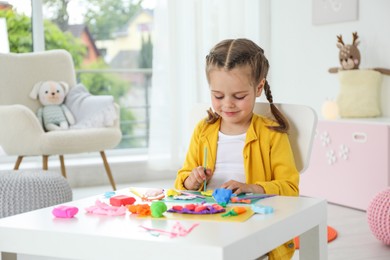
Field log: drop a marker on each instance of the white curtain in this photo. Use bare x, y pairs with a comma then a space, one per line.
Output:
184, 33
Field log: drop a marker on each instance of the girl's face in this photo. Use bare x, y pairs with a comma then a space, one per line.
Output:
233, 97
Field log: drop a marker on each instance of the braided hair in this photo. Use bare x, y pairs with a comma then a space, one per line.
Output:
233, 53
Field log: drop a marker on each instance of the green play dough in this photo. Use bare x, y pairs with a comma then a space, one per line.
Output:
158, 208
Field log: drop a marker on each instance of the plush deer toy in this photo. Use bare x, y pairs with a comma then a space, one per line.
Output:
349, 56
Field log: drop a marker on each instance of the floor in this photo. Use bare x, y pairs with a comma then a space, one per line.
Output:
354, 242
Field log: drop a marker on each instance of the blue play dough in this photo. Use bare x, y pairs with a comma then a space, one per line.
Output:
262, 209
109, 194
222, 196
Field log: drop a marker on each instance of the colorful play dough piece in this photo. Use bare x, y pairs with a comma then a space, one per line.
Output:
109, 194
190, 207
262, 209
172, 192
207, 193
222, 196
177, 208
140, 209
65, 211
239, 210
121, 200
235, 211
153, 192
158, 208
200, 209
101, 208
237, 200
184, 197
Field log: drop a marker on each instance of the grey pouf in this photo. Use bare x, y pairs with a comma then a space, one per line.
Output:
26, 190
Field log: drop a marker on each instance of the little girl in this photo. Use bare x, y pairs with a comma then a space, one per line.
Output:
245, 151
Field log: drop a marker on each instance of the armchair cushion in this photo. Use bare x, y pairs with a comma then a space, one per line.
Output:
74, 141
90, 111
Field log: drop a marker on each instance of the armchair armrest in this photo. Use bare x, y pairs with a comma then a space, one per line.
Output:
20, 130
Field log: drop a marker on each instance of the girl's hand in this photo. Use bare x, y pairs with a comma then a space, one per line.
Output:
197, 177
239, 187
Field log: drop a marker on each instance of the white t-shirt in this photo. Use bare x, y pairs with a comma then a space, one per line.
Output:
230, 161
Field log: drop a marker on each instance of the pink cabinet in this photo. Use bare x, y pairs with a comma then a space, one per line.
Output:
349, 162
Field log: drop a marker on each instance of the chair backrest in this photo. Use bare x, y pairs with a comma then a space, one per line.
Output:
303, 122
302, 119
20, 72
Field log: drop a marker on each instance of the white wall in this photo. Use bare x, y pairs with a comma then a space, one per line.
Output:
301, 53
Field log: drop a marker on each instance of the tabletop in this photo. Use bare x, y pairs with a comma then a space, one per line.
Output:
88, 236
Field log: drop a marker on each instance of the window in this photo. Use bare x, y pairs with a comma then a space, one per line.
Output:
122, 29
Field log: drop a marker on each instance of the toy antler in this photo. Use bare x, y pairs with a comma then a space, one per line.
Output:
340, 39
355, 37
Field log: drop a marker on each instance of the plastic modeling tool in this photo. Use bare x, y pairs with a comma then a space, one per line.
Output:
205, 167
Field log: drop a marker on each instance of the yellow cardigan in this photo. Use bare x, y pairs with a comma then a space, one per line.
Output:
268, 162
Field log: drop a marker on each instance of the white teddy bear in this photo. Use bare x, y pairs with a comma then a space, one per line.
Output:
54, 115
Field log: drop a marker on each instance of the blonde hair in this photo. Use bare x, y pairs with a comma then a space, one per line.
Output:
232, 53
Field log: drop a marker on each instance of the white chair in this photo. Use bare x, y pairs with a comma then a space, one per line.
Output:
21, 133
302, 119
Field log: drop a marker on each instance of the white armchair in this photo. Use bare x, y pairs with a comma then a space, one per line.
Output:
21, 133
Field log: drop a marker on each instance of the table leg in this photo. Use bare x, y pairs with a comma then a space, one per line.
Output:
314, 243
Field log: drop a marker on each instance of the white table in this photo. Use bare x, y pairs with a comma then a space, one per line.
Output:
102, 237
